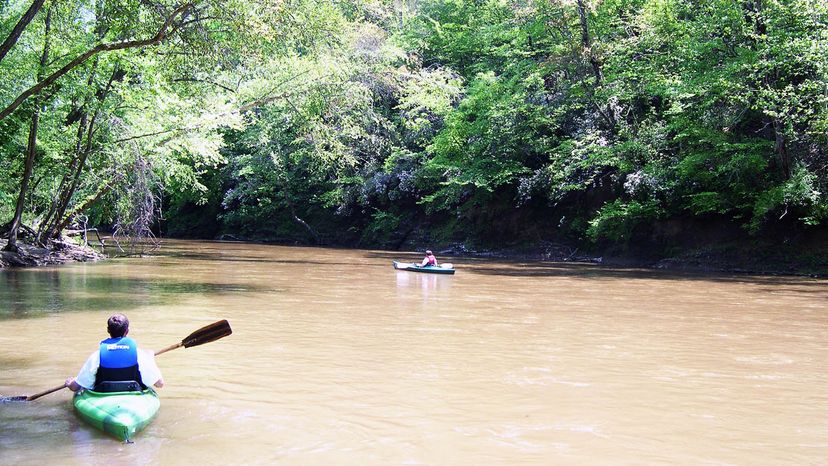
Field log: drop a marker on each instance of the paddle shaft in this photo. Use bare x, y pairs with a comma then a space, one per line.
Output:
61, 387
45, 392
169, 348
201, 336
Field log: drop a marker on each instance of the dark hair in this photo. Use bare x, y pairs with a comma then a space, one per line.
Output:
117, 325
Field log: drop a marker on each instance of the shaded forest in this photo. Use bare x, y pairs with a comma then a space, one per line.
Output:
646, 129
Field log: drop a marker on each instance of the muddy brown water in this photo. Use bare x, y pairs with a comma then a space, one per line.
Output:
336, 358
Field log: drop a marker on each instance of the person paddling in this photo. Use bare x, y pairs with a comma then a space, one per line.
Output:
118, 364
429, 259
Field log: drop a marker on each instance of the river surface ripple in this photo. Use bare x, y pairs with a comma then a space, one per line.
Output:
336, 358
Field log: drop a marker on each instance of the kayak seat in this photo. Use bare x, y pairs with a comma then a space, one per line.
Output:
110, 386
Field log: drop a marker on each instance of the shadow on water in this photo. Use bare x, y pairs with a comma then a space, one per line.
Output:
520, 268
206, 256
210, 257
33, 293
230, 252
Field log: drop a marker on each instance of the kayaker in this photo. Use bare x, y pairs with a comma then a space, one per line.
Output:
117, 362
429, 259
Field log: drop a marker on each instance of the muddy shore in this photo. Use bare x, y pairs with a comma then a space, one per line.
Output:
61, 252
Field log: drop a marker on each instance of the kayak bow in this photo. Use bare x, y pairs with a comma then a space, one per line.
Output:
122, 414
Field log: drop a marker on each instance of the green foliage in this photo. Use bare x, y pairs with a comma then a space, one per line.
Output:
356, 121
483, 107
617, 220
382, 226
799, 195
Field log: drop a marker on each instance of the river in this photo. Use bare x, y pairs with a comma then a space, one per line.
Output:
336, 358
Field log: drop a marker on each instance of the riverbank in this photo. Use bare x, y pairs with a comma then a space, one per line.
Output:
719, 258
739, 257
61, 252
750, 259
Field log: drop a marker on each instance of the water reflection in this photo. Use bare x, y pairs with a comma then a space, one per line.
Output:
423, 281
37, 292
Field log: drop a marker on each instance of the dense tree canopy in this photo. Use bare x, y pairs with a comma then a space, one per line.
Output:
487, 122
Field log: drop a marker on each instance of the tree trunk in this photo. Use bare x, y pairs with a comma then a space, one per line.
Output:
296, 219
586, 42
57, 219
284, 183
65, 191
305, 225
103, 189
781, 147
48, 220
19, 27
753, 15
31, 149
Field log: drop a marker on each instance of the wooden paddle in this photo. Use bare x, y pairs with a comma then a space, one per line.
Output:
201, 336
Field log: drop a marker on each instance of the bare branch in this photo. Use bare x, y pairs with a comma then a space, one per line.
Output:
146, 135
194, 80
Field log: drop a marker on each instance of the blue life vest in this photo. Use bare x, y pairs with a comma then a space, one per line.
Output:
119, 361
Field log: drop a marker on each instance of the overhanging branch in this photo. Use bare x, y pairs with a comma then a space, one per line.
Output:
165, 29
19, 27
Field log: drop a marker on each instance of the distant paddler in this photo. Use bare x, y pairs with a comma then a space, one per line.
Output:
429, 260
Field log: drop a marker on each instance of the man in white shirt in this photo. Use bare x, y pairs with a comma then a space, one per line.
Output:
117, 362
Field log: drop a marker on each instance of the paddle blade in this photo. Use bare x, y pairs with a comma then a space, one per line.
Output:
207, 334
11, 399
447, 265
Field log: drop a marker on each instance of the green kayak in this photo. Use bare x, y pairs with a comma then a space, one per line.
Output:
121, 414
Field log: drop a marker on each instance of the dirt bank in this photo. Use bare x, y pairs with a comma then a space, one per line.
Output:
715, 258
61, 252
